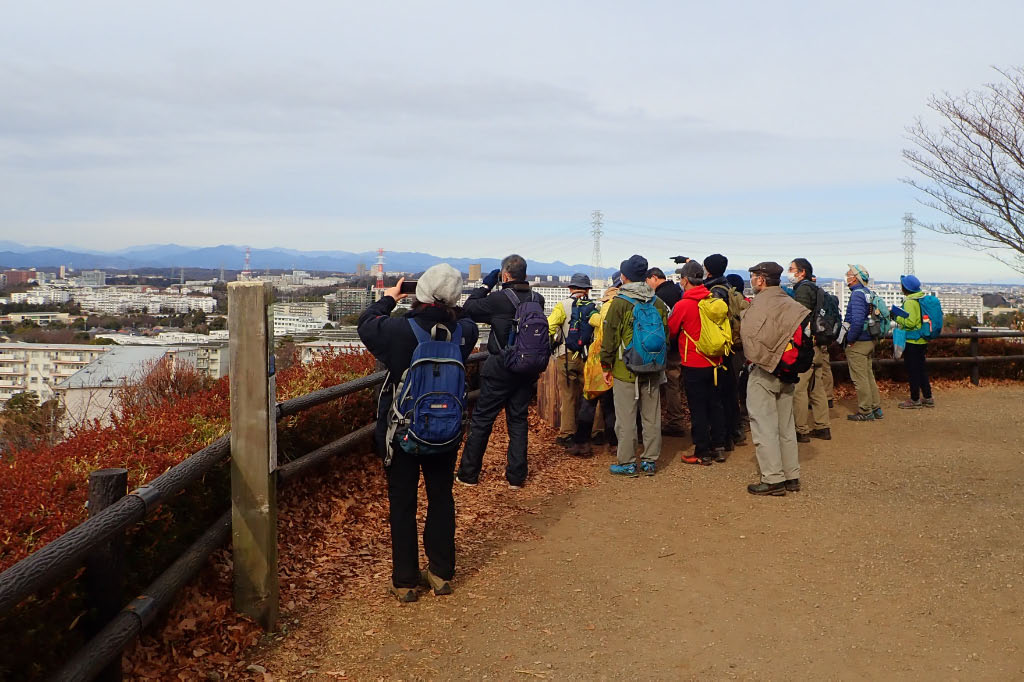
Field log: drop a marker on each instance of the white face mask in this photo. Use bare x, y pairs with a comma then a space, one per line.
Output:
793, 278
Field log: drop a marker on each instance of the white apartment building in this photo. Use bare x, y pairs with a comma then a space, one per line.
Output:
93, 278
41, 366
213, 360
285, 325
119, 301
953, 302
316, 309
311, 349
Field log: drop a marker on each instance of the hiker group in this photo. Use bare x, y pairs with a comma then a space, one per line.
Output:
760, 363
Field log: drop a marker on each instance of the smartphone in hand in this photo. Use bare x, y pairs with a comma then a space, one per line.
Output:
409, 286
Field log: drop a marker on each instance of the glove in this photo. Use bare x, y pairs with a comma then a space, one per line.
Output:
492, 278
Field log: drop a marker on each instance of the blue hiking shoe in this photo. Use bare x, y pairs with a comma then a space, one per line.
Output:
648, 468
878, 413
624, 470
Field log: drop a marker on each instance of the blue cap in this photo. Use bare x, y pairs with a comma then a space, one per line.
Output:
911, 283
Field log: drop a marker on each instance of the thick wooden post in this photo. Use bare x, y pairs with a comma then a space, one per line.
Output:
253, 452
104, 567
976, 367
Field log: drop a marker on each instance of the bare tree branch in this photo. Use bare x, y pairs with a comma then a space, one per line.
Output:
973, 166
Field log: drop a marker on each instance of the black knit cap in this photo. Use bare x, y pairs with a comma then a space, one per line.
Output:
716, 264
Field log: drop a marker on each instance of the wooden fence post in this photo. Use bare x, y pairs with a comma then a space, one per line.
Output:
104, 567
976, 367
253, 452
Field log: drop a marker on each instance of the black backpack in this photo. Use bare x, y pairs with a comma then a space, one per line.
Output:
826, 320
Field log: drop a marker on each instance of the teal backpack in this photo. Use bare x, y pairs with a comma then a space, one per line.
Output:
879, 322
931, 319
648, 351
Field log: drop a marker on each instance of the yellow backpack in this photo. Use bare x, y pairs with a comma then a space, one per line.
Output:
715, 338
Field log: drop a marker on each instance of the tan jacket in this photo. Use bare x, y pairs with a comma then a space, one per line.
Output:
768, 325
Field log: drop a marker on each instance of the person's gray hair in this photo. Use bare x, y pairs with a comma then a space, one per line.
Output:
515, 266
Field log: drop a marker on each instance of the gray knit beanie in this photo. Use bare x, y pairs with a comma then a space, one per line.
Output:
442, 284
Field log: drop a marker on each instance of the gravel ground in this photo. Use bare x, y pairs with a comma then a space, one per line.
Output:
902, 558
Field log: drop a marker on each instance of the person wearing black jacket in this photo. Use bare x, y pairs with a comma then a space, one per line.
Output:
727, 393
500, 389
672, 390
392, 341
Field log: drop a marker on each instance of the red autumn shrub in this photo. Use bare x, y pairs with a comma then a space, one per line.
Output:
164, 418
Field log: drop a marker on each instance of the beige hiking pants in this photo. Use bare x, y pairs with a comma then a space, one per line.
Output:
810, 402
770, 404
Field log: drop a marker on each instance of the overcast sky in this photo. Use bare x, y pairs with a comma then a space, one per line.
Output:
764, 130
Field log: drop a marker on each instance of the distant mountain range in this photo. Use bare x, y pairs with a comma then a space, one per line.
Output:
231, 257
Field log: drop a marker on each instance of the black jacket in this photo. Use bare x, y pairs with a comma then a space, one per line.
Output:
392, 342
718, 293
494, 308
669, 292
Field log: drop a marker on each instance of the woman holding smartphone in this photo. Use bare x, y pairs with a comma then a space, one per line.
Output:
392, 340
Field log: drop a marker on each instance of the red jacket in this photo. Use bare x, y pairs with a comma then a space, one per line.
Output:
686, 318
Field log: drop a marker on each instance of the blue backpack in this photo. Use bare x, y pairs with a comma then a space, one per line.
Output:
931, 319
648, 349
529, 344
581, 334
430, 399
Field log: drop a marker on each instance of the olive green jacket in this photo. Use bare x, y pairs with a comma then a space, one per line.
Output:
618, 327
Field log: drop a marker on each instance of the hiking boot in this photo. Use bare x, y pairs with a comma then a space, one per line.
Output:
793, 485
581, 450
740, 439
515, 486
878, 413
439, 585
861, 417
648, 468
624, 470
722, 454
674, 432
831, 403
469, 484
823, 434
911, 405
695, 459
928, 402
598, 438
776, 489
803, 438
403, 594
564, 441
729, 445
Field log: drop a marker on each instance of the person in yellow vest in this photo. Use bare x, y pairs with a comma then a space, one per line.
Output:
571, 334
596, 389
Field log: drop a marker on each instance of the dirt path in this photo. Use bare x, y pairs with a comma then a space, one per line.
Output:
893, 563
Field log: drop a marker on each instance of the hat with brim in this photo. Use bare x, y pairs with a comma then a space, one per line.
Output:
911, 283
580, 281
861, 272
